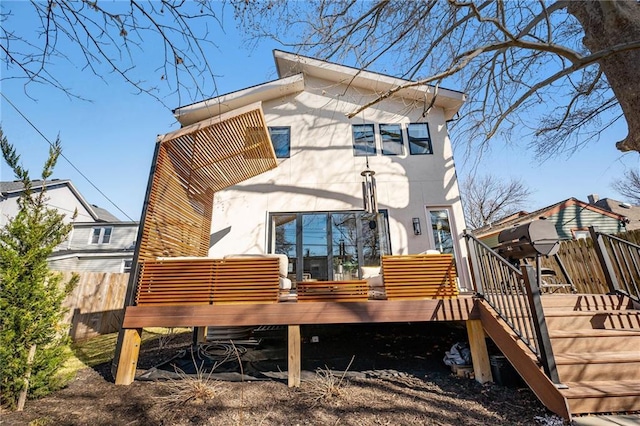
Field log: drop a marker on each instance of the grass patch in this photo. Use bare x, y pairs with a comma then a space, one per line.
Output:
100, 349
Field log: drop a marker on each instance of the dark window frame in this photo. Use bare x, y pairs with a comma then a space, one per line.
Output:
429, 145
288, 142
364, 149
388, 142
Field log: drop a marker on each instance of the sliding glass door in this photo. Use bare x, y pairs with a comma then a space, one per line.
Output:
329, 245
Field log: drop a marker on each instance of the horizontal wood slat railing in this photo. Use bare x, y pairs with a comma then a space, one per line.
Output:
208, 281
333, 291
419, 276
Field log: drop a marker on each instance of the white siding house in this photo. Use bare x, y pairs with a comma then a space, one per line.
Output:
99, 241
311, 206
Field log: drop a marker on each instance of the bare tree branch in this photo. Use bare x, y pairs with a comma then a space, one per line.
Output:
486, 199
517, 60
629, 186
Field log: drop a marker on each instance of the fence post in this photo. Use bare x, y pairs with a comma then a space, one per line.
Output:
540, 324
605, 261
475, 267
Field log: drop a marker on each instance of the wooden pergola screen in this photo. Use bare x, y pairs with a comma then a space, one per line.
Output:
193, 163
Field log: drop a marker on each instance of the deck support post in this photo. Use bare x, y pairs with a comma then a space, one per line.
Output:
200, 335
294, 356
479, 352
126, 359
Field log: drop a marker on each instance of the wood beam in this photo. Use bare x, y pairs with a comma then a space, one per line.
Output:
372, 311
479, 352
294, 356
128, 356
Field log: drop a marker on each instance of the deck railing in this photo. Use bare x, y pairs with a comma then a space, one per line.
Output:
620, 260
515, 296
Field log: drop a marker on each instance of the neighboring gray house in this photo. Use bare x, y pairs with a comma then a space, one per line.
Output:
99, 241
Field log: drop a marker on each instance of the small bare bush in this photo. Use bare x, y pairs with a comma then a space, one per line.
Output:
165, 338
199, 388
326, 385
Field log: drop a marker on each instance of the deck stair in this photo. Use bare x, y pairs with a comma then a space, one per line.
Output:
596, 344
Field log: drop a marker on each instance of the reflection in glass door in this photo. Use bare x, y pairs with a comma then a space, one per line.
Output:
441, 230
329, 245
315, 247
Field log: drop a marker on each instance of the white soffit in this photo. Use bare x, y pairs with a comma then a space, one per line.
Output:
292, 64
199, 111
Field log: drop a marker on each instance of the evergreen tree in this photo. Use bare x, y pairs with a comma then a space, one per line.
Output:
32, 339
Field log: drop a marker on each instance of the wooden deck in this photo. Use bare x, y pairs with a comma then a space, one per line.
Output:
287, 313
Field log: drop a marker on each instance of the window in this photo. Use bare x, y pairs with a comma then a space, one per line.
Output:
441, 230
391, 135
101, 235
419, 139
126, 265
364, 142
281, 140
329, 245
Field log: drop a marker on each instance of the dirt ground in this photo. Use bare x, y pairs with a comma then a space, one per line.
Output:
395, 376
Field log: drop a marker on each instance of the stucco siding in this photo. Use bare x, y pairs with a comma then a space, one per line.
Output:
322, 173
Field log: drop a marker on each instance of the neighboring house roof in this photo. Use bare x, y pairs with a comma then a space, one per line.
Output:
293, 67
632, 213
544, 212
14, 188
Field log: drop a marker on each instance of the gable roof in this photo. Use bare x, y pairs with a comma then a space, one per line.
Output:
544, 212
293, 67
14, 188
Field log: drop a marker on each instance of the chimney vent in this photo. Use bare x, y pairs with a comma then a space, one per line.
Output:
593, 198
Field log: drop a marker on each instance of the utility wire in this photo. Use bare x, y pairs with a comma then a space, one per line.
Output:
63, 156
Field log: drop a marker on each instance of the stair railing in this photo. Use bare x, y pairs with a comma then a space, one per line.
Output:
620, 260
515, 297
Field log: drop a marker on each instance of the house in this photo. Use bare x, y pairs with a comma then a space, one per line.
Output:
571, 218
310, 207
98, 242
631, 213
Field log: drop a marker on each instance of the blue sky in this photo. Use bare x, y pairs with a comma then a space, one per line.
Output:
111, 138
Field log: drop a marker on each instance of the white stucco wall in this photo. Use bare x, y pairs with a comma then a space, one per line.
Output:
322, 173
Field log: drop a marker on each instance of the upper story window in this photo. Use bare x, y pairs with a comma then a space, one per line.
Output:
281, 140
364, 142
419, 139
101, 235
392, 143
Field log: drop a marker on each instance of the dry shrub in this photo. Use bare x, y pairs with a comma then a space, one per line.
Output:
326, 385
199, 388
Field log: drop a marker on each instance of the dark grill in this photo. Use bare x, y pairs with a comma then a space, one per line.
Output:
538, 237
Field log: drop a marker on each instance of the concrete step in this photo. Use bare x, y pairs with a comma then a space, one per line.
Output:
602, 396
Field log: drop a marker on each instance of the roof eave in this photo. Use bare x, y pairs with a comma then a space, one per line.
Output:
199, 111
289, 64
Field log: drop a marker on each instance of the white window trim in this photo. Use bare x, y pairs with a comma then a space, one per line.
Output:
101, 236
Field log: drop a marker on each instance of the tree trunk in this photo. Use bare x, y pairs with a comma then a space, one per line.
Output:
606, 24
22, 399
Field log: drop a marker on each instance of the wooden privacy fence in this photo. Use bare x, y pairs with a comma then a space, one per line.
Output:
96, 303
582, 263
